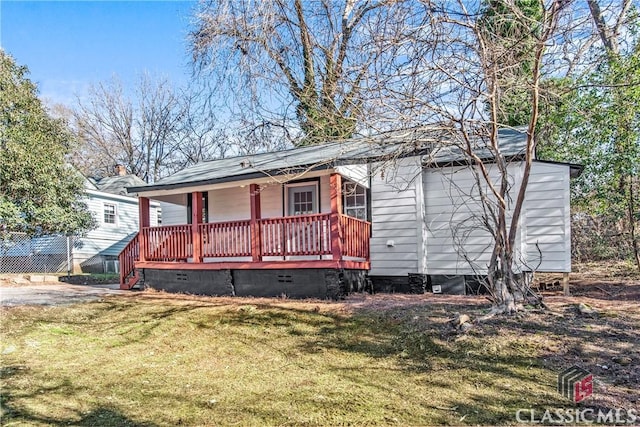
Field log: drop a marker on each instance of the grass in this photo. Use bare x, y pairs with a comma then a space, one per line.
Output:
153, 360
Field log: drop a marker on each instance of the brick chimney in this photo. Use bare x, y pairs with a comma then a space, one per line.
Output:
121, 170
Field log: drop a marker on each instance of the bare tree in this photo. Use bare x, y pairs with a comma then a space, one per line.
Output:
474, 65
104, 125
200, 135
299, 64
153, 129
609, 22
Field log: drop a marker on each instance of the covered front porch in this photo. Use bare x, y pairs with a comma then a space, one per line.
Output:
312, 233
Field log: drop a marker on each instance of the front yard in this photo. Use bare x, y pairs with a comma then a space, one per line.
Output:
156, 359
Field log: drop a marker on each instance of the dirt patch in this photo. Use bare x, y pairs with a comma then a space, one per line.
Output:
606, 344
19, 280
612, 280
53, 294
394, 301
609, 286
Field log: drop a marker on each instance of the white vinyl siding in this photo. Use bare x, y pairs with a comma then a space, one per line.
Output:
325, 194
233, 203
110, 239
547, 213
271, 200
155, 214
22, 246
457, 241
396, 217
173, 213
229, 204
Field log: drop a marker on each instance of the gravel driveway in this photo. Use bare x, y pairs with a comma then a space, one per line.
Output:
54, 294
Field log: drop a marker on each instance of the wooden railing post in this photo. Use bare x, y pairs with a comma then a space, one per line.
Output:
145, 222
196, 220
335, 182
256, 232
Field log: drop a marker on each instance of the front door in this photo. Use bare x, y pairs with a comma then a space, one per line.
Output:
303, 199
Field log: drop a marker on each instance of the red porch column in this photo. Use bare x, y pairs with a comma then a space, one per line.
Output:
335, 182
256, 232
145, 221
196, 220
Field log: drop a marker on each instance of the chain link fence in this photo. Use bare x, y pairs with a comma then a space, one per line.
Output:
20, 253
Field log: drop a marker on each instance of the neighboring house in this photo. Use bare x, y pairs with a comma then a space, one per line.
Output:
324, 220
116, 215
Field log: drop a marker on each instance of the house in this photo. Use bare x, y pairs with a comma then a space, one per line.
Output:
320, 221
428, 220
116, 216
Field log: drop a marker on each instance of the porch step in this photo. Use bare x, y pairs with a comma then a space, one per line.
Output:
130, 282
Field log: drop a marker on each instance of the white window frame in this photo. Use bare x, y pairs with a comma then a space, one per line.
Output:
315, 201
349, 196
115, 213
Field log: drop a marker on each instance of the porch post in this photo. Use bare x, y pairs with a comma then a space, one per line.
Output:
196, 220
256, 232
145, 221
336, 208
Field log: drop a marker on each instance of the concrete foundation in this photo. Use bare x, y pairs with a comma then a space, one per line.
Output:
320, 283
291, 283
450, 285
390, 284
415, 283
197, 282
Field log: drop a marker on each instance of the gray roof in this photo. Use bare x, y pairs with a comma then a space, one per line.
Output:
118, 184
434, 142
511, 143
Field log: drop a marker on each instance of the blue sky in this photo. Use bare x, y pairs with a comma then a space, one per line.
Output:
68, 45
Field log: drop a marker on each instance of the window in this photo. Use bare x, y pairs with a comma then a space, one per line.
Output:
355, 200
109, 213
303, 199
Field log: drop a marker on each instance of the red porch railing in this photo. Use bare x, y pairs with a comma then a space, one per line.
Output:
355, 237
226, 239
304, 235
168, 243
126, 260
296, 235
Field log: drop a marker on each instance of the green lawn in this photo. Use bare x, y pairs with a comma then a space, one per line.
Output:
152, 360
